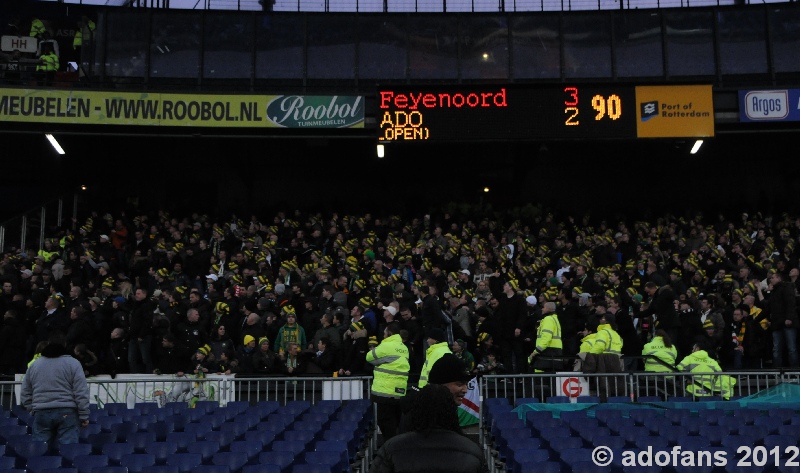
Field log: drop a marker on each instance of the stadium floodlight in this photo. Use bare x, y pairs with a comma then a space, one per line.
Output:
54, 143
696, 147
381, 150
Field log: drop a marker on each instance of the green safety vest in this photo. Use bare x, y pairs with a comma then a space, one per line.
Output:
548, 335
50, 62
657, 349
706, 384
607, 340
390, 359
432, 355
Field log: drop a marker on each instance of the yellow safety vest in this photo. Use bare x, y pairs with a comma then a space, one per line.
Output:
548, 335
390, 359
607, 340
432, 355
706, 384
50, 62
657, 349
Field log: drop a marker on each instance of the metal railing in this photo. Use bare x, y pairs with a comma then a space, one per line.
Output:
570, 386
410, 6
29, 230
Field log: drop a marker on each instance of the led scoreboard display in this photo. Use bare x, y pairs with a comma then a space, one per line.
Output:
506, 113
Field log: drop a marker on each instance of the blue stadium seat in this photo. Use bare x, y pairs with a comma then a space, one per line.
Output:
265, 437
748, 416
178, 422
771, 423
7, 463
546, 467
589, 433
214, 419
140, 439
677, 414
23, 447
693, 442
525, 400
69, 451
610, 441
239, 407
714, 433
237, 428
161, 428
161, 469
588, 400
61, 469
206, 449
711, 416
560, 444
262, 468
619, 399
114, 408
161, 450
642, 469
557, 400
296, 447
123, 429
265, 408
144, 421
570, 456
326, 406
297, 407
115, 451
305, 436
311, 468
106, 422
692, 425
186, 462
283, 458
526, 455
110, 469
653, 441
618, 424
248, 420
198, 429
587, 466
249, 447
10, 431
86, 463
785, 414
579, 417
556, 433
334, 460
780, 441
136, 462
146, 408
207, 406
213, 469
181, 439
639, 416
43, 462
644, 399
671, 433
732, 424
233, 460
222, 437
655, 424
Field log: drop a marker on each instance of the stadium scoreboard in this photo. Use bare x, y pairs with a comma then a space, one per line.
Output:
564, 112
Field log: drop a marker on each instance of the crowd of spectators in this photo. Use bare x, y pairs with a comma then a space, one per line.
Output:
309, 293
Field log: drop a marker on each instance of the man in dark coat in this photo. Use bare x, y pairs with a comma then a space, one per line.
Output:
783, 321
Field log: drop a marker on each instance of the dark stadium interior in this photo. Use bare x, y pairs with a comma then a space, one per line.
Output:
251, 174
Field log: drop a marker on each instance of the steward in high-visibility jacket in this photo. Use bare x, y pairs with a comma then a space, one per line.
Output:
587, 343
48, 62
660, 347
433, 353
390, 359
607, 340
706, 384
548, 341
390, 379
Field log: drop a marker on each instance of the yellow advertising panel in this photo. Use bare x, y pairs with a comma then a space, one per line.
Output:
674, 111
201, 110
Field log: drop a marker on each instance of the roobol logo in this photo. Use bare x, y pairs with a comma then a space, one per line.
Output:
649, 110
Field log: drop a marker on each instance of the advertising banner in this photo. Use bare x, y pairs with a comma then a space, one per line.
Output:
679, 111
198, 110
769, 105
